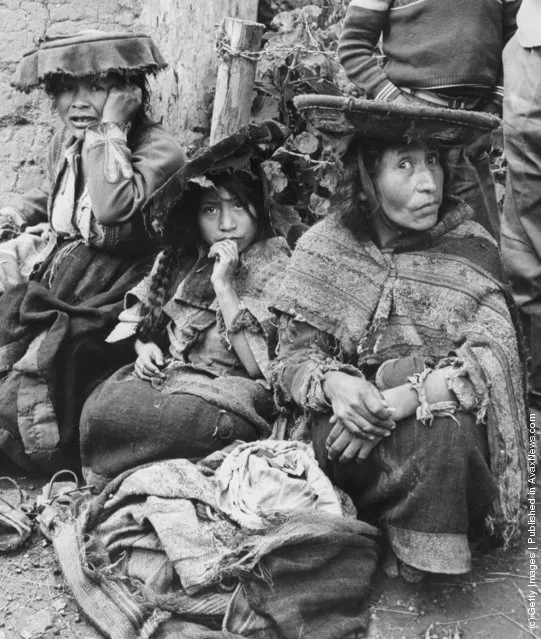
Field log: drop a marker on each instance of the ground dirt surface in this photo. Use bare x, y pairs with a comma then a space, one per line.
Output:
488, 603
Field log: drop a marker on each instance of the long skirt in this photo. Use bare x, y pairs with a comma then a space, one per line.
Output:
426, 486
127, 422
52, 350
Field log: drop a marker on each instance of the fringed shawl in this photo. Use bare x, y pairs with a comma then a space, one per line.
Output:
436, 294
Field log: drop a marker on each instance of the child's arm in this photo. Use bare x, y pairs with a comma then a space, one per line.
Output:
149, 361
227, 258
119, 178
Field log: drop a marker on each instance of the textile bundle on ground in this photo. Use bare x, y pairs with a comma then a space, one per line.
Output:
164, 559
50, 349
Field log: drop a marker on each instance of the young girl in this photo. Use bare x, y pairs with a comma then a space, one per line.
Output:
103, 163
80, 243
203, 335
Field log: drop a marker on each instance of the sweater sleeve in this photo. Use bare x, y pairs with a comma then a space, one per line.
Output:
364, 23
305, 354
121, 179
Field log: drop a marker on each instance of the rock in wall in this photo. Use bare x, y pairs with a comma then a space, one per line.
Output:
186, 32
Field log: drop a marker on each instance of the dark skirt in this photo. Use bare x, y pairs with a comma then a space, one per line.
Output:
58, 322
127, 422
426, 486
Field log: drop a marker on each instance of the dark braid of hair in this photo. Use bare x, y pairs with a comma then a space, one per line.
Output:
154, 321
183, 232
142, 118
348, 203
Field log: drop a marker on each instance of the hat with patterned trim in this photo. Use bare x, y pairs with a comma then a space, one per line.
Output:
336, 115
88, 53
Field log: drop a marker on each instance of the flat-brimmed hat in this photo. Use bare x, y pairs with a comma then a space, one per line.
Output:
336, 115
88, 53
236, 152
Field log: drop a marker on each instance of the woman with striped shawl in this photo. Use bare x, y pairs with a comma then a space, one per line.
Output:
398, 356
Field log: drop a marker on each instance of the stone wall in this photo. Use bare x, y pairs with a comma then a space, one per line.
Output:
183, 30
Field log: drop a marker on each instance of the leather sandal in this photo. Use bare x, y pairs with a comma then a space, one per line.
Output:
410, 574
15, 526
54, 503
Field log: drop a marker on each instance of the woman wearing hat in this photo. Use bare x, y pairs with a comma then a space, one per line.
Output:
397, 349
203, 329
81, 243
106, 159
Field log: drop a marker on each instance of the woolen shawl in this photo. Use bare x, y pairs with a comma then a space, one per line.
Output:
438, 294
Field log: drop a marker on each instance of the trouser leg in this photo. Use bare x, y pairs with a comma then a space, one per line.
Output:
521, 223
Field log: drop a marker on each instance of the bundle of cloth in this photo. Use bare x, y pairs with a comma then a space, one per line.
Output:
252, 541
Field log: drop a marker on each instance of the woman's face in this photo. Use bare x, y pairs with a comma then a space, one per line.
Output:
222, 217
80, 101
409, 183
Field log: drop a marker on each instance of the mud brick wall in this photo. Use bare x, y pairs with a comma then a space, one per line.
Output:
183, 30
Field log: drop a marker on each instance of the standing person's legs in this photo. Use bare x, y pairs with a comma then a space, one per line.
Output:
521, 223
470, 178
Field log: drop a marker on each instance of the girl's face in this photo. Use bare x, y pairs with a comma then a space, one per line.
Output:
80, 101
222, 217
409, 183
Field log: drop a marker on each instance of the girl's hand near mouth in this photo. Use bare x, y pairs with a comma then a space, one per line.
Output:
226, 256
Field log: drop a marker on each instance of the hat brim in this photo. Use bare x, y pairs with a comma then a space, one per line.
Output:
232, 153
336, 115
87, 54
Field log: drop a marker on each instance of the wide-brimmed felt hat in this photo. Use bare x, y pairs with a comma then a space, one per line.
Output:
337, 115
88, 53
236, 152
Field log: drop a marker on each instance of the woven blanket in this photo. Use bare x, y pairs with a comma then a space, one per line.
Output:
161, 550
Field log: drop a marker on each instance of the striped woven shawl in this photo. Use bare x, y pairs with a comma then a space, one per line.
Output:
437, 294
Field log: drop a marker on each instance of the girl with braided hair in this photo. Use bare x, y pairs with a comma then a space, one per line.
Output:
202, 327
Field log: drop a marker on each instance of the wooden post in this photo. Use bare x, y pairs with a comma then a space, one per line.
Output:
185, 32
238, 45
